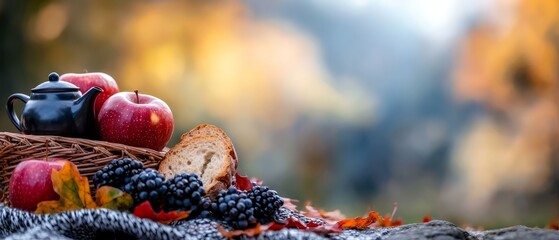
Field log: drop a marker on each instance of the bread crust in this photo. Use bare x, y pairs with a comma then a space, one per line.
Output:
209, 129
221, 180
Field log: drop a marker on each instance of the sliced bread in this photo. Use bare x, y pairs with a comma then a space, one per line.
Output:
207, 156
208, 129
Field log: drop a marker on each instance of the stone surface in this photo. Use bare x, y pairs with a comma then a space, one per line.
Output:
518, 232
107, 224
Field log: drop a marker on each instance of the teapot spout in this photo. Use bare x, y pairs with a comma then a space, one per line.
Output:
83, 112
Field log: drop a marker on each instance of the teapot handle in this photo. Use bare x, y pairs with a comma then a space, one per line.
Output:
10, 105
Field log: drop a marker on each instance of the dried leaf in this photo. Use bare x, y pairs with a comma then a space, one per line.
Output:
358, 222
329, 217
144, 210
258, 181
553, 224
113, 198
311, 211
289, 203
387, 221
427, 218
326, 229
251, 232
72, 188
52, 206
291, 223
242, 182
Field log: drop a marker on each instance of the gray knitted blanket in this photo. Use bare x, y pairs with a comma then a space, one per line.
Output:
108, 224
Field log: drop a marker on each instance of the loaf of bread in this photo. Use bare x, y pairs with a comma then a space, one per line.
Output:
206, 151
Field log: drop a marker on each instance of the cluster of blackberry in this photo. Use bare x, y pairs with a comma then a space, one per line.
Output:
118, 173
266, 202
182, 192
241, 209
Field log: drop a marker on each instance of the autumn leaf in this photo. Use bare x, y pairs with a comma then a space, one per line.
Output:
290, 203
387, 221
144, 210
242, 183
553, 224
290, 223
72, 188
427, 218
250, 232
325, 229
113, 198
330, 217
311, 211
358, 222
258, 181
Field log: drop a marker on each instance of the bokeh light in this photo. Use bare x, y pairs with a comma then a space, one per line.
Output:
446, 107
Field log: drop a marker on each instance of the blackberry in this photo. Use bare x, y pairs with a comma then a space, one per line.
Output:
147, 185
117, 173
266, 202
206, 208
235, 208
185, 192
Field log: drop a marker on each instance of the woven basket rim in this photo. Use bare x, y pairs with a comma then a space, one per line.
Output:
89, 155
81, 141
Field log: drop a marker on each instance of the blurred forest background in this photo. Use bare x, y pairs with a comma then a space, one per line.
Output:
448, 108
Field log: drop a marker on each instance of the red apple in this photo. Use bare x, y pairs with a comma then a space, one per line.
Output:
137, 120
31, 184
85, 81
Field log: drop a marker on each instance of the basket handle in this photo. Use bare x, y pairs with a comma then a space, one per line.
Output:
10, 106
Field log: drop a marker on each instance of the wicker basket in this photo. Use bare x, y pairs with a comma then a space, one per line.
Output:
88, 155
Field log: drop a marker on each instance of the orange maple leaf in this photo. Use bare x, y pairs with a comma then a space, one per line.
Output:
359, 222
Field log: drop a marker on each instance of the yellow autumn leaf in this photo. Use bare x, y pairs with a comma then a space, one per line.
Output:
72, 188
50, 207
113, 198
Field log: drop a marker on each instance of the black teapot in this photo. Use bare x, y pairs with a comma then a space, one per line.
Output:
56, 108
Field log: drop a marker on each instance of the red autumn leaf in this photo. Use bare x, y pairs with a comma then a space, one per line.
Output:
554, 224
144, 210
291, 223
242, 182
358, 222
396, 222
251, 232
310, 227
427, 218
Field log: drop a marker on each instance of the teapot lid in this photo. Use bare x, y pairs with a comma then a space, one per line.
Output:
54, 85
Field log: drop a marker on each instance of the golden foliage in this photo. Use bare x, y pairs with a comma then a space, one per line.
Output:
74, 193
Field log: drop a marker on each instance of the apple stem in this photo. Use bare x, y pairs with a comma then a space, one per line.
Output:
137, 97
